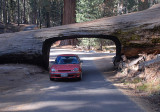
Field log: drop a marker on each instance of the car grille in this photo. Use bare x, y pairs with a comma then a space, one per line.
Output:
64, 70
57, 75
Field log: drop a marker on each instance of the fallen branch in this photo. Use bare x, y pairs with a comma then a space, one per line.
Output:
134, 62
148, 63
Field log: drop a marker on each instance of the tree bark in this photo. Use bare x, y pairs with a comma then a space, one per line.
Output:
69, 13
101, 44
47, 19
21, 17
24, 12
9, 11
69, 16
18, 13
1, 2
143, 4
39, 13
4, 12
12, 11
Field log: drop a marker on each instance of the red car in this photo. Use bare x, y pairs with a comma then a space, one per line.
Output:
66, 66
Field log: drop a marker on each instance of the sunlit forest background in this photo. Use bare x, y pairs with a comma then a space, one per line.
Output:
40, 11
50, 13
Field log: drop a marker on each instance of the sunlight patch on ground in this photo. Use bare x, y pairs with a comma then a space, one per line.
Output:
63, 105
99, 91
59, 105
95, 58
50, 88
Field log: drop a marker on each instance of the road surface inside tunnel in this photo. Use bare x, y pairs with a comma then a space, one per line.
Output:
92, 94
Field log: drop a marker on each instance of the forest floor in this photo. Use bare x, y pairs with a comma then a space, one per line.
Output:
17, 75
147, 96
11, 28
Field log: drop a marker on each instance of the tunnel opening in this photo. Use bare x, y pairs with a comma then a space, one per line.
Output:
48, 43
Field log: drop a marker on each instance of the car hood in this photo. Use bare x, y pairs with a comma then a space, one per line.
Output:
65, 66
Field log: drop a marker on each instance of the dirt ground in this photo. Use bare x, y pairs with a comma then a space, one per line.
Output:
140, 98
16, 75
11, 28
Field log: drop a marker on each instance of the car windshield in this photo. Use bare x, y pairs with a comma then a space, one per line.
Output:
67, 60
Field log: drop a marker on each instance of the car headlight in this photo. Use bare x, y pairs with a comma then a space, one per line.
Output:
53, 70
75, 69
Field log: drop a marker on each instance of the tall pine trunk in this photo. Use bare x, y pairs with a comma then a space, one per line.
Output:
69, 13
24, 12
1, 2
47, 19
18, 13
69, 17
9, 11
39, 17
4, 12
143, 4
12, 12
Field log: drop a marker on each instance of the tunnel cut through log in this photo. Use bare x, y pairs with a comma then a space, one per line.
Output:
48, 43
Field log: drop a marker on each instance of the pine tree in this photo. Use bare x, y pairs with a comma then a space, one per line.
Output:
69, 17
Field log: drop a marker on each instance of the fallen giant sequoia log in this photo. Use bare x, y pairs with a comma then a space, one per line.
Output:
138, 32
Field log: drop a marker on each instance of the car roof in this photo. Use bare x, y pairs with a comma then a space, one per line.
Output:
67, 55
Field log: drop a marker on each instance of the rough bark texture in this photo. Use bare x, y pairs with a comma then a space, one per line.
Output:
18, 13
24, 12
69, 12
69, 17
4, 12
139, 31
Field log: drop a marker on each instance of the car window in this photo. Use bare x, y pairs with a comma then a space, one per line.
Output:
67, 60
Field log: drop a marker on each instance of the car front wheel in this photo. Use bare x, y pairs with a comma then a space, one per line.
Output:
80, 78
51, 79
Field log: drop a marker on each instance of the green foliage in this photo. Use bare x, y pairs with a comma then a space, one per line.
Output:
99, 44
88, 10
56, 12
143, 87
148, 87
88, 42
52, 7
132, 5
136, 80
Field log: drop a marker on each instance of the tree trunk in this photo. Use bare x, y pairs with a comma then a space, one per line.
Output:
101, 44
35, 17
1, 2
18, 13
39, 13
47, 19
12, 11
9, 11
21, 17
24, 16
107, 8
69, 16
4, 12
143, 4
